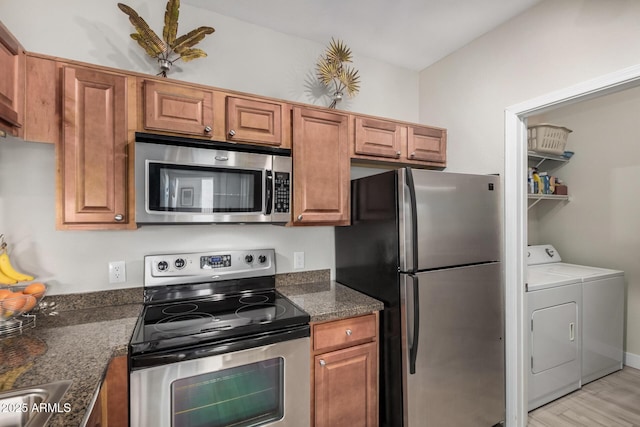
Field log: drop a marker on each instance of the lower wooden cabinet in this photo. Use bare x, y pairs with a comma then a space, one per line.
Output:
345, 373
111, 408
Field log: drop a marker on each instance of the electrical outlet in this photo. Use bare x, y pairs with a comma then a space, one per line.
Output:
298, 260
117, 272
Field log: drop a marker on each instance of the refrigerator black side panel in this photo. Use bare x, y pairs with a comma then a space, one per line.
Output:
367, 259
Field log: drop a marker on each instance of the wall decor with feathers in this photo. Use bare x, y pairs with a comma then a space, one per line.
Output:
169, 48
335, 75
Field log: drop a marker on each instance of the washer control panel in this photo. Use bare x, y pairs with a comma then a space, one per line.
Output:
207, 266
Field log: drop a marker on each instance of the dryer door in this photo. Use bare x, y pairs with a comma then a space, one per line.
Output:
554, 342
553, 337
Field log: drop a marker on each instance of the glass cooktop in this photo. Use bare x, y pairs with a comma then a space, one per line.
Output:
176, 324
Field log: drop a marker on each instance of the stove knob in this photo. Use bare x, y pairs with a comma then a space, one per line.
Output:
249, 259
180, 263
163, 266
262, 259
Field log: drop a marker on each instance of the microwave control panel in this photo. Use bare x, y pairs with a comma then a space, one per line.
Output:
283, 192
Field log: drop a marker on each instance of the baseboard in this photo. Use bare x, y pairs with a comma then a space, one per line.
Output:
632, 360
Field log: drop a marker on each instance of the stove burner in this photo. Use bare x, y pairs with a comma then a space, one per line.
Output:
180, 308
177, 322
261, 312
254, 299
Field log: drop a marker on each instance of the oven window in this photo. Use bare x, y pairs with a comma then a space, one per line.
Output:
247, 395
196, 189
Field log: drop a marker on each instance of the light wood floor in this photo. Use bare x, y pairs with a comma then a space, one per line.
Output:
610, 401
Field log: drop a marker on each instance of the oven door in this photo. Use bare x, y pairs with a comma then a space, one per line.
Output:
261, 386
185, 184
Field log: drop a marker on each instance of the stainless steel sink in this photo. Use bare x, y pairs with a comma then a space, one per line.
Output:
17, 404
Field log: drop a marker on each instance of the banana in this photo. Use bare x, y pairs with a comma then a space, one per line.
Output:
7, 269
6, 280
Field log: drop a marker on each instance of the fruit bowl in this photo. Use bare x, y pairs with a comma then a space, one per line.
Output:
20, 299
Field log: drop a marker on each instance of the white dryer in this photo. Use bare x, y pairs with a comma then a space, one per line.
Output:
602, 310
554, 309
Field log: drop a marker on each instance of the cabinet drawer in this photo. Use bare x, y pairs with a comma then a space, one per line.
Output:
343, 333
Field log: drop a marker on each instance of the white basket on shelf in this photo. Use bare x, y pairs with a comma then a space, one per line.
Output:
547, 138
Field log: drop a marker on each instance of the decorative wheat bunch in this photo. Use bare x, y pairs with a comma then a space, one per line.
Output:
335, 74
168, 49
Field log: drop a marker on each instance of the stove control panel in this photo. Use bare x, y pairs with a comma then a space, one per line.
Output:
215, 261
207, 266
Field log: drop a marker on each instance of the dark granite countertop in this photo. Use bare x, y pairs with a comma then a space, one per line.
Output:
75, 345
79, 342
329, 300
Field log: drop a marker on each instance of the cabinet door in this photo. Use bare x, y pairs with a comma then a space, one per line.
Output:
254, 121
92, 157
427, 144
320, 167
111, 408
378, 138
12, 60
170, 107
346, 389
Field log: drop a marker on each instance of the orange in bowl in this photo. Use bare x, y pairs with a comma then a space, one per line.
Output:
4, 293
14, 302
29, 303
36, 289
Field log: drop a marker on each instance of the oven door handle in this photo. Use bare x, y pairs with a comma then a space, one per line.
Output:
269, 192
149, 359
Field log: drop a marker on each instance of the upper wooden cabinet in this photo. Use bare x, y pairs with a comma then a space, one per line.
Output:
92, 157
378, 138
171, 107
321, 172
396, 142
12, 67
254, 121
427, 144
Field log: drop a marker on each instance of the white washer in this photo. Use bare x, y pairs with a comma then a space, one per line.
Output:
602, 311
554, 309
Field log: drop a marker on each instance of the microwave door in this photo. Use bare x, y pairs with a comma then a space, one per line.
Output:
211, 186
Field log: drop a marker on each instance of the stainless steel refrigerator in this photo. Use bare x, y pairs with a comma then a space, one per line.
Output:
428, 245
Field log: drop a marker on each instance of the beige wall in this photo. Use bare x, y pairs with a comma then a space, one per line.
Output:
600, 225
552, 46
241, 57
556, 44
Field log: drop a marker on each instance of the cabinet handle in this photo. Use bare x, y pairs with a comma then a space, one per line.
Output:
300, 217
412, 155
118, 217
207, 129
349, 332
398, 154
322, 362
232, 133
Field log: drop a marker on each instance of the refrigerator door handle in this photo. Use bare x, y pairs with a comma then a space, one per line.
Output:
413, 243
415, 309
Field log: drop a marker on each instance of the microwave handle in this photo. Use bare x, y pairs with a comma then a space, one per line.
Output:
269, 193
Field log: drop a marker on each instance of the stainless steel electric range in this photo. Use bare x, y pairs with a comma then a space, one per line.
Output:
217, 345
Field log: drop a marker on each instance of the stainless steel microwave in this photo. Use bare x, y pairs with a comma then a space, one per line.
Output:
187, 181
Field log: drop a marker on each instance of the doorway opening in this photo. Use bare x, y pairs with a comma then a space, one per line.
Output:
515, 234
